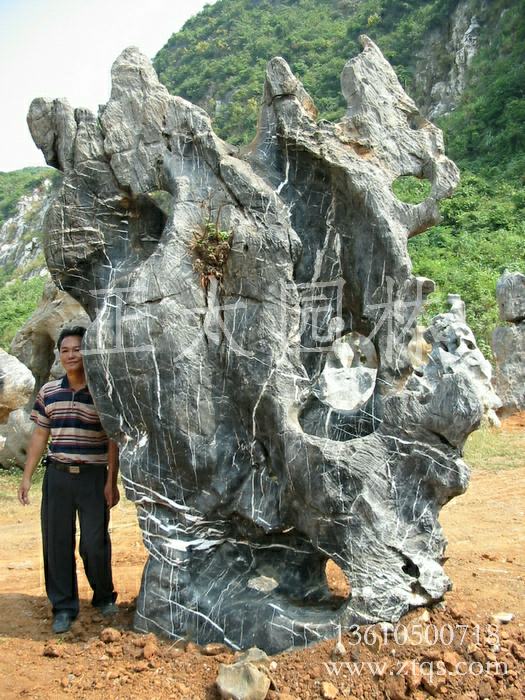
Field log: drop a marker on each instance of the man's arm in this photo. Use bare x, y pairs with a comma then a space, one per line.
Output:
36, 449
111, 491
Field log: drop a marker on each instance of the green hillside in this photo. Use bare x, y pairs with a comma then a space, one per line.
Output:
19, 295
17, 184
218, 60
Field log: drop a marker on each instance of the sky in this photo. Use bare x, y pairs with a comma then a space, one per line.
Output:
65, 48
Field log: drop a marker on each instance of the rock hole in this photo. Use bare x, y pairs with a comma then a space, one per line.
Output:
411, 190
337, 582
349, 376
146, 220
411, 569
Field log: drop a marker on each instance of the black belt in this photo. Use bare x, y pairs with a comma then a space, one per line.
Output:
74, 467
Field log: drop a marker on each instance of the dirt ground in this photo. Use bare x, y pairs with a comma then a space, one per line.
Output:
448, 651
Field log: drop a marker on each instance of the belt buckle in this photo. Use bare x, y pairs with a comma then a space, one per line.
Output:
74, 470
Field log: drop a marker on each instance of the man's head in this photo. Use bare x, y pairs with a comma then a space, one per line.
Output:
69, 344
67, 332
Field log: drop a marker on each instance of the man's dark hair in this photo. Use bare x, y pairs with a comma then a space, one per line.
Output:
66, 332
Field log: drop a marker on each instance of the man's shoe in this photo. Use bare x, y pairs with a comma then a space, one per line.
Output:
107, 609
62, 623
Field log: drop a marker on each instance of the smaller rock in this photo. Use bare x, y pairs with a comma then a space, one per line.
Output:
518, 651
501, 618
140, 666
65, 682
485, 691
213, 649
52, 650
328, 690
110, 634
338, 651
242, 681
433, 684
395, 687
114, 650
255, 656
143, 639
455, 611
425, 615
431, 654
414, 677
451, 660
150, 649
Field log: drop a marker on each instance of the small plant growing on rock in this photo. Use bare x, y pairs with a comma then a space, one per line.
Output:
211, 246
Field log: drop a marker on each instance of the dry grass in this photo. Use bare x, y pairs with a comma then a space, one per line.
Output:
495, 449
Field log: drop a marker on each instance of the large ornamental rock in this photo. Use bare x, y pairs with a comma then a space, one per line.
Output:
508, 344
218, 341
16, 385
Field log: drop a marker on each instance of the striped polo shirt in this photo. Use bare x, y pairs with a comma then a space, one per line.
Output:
77, 434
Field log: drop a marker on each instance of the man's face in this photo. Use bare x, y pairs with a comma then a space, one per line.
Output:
70, 355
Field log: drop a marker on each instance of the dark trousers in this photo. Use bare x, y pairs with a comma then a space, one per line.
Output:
63, 496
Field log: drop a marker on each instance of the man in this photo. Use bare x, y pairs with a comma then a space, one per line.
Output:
81, 477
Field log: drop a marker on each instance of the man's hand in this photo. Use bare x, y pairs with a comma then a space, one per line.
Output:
111, 494
37, 447
23, 491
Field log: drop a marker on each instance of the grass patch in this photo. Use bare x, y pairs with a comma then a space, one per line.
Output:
10, 481
492, 449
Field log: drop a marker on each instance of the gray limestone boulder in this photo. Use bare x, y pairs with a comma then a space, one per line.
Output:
16, 385
15, 435
508, 347
216, 324
508, 344
510, 291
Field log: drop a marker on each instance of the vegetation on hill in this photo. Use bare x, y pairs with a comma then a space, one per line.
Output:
17, 184
19, 295
219, 57
18, 300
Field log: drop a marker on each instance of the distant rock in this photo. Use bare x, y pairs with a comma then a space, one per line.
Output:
35, 342
508, 344
442, 82
35, 346
510, 292
16, 434
16, 385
